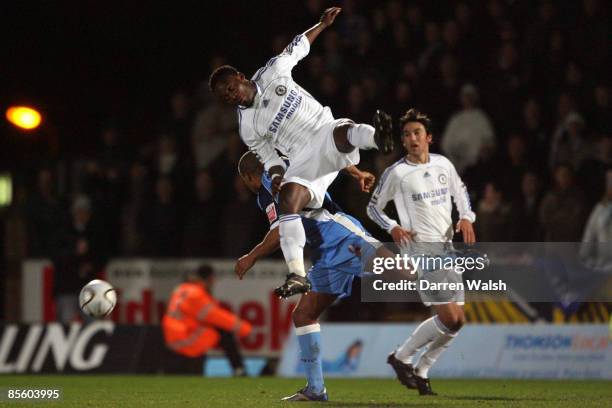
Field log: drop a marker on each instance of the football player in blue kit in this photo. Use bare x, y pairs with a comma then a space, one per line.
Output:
339, 244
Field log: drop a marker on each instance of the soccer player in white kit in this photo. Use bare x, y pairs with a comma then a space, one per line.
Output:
276, 114
421, 185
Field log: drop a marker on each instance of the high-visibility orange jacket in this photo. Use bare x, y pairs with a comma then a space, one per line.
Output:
191, 318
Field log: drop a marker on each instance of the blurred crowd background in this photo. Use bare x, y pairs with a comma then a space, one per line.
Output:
518, 90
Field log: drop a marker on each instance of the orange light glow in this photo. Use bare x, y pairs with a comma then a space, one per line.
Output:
23, 117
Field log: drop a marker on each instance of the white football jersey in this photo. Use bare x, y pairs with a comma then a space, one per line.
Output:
283, 115
422, 195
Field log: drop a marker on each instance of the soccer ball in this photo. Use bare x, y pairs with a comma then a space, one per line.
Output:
98, 298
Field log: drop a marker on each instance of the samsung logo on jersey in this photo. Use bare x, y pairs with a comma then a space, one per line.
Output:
430, 194
287, 109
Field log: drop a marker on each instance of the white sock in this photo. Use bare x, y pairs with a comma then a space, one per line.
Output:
292, 241
425, 333
361, 136
434, 350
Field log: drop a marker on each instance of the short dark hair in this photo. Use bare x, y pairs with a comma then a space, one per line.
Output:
250, 164
221, 74
413, 115
205, 272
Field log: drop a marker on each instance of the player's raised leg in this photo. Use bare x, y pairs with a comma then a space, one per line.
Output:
349, 136
308, 331
292, 199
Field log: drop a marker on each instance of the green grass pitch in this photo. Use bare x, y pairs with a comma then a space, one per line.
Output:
184, 391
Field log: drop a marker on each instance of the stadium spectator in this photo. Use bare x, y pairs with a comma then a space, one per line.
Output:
568, 143
468, 132
592, 172
526, 209
334, 60
433, 45
224, 167
241, 222
202, 222
535, 131
516, 163
179, 121
592, 28
194, 321
137, 191
161, 223
169, 163
46, 217
351, 25
329, 90
103, 182
504, 85
494, 214
213, 123
548, 64
441, 95
540, 30
81, 256
562, 209
601, 110
598, 232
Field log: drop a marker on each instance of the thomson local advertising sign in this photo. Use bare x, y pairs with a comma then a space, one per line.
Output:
485, 351
144, 286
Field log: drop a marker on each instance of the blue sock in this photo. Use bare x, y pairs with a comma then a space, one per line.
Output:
309, 338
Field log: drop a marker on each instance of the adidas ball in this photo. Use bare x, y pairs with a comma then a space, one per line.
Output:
98, 298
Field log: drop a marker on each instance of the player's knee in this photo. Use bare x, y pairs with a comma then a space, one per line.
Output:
302, 317
453, 321
456, 321
293, 198
341, 138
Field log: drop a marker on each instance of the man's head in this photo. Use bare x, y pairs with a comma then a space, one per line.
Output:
564, 176
81, 210
468, 96
250, 170
230, 86
204, 274
416, 132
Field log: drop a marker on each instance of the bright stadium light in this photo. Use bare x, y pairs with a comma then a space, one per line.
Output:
23, 117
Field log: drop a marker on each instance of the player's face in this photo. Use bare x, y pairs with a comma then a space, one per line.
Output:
234, 91
252, 183
415, 138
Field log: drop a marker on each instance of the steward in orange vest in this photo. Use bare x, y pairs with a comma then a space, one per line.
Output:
194, 322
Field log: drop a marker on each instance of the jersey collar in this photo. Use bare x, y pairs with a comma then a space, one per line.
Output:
408, 162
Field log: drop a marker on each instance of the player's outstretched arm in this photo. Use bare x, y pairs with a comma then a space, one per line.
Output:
327, 19
270, 243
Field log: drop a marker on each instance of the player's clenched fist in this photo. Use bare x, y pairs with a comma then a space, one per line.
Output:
366, 181
329, 15
402, 236
243, 265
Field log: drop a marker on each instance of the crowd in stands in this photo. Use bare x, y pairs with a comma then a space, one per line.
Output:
518, 91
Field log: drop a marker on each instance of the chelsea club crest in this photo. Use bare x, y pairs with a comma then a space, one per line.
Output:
281, 90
